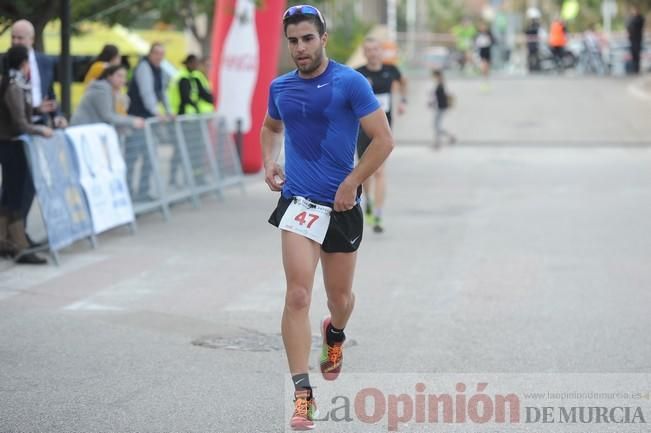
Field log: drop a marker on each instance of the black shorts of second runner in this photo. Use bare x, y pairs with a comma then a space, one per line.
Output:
363, 140
344, 233
485, 54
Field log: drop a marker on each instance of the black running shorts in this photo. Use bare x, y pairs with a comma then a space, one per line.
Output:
344, 233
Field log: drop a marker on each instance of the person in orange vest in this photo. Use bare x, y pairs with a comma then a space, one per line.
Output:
557, 41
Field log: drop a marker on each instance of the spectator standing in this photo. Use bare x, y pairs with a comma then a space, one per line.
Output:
441, 102
109, 56
45, 110
41, 77
186, 95
188, 89
15, 120
202, 75
533, 40
635, 28
557, 42
147, 90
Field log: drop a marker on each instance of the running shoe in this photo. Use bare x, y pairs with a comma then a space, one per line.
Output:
332, 357
377, 225
368, 215
304, 411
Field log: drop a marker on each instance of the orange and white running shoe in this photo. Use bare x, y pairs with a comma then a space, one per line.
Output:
332, 357
304, 411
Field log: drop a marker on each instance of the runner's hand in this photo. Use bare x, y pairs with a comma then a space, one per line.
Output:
346, 196
274, 176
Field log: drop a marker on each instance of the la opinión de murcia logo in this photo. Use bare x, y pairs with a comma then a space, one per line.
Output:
373, 406
584, 415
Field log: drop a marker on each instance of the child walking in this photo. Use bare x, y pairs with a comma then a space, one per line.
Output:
441, 101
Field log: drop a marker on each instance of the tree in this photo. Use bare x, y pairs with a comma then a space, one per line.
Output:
444, 14
182, 13
38, 12
186, 14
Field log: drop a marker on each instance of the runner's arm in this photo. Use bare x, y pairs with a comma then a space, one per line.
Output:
402, 84
271, 136
376, 127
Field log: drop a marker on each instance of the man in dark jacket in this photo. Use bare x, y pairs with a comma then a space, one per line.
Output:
147, 89
42, 76
635, 27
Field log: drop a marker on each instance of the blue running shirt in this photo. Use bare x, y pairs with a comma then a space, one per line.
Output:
321, 117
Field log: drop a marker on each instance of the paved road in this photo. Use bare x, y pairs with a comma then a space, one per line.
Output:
525, 249
576, 111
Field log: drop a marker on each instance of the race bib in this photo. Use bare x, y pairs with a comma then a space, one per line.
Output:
307, 219
385, 101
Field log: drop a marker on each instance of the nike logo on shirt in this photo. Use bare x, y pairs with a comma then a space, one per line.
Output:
354, 240
318, 86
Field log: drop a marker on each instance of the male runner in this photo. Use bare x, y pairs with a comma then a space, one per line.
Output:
318, 109
382, 78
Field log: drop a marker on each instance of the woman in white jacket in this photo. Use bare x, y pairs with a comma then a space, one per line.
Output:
99, 100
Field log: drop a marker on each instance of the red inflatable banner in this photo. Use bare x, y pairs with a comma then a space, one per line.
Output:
245, 50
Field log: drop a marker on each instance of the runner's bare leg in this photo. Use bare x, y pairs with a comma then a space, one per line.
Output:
300, 258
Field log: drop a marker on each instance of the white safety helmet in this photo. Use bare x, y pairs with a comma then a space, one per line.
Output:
533, 13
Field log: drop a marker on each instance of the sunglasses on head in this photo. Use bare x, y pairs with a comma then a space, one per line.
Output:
303, 10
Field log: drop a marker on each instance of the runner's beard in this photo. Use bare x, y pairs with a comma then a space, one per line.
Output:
313, 66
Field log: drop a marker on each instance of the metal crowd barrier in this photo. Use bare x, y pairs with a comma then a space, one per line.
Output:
180, 160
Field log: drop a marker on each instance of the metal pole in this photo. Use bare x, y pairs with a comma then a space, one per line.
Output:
392, 19
65, 61
411, 28
239, 138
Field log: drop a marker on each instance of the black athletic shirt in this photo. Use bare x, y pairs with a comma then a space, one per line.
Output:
381, 82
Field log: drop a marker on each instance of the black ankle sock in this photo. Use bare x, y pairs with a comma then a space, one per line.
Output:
301, 382
334, 335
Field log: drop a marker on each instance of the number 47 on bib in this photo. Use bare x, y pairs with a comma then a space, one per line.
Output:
307, 219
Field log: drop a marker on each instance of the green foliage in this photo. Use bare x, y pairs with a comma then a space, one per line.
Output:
343, 42
39, 12
444, 14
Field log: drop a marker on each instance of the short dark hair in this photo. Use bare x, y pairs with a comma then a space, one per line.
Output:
299, 18
15, 57
110, 70
191, 58
437, 73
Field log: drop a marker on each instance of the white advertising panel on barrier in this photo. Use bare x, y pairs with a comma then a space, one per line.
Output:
103, 175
